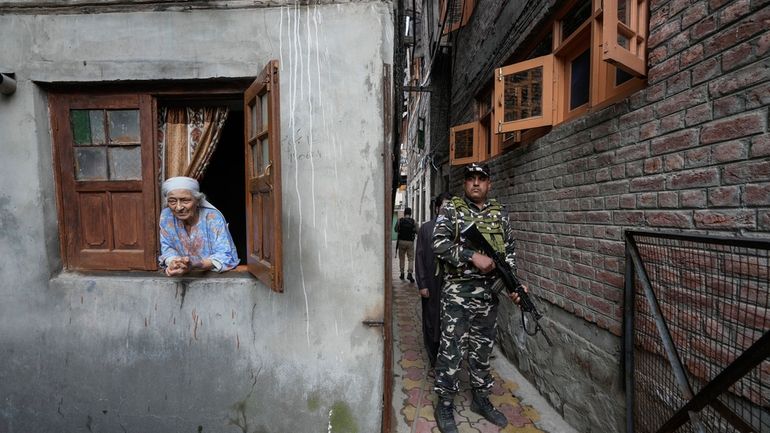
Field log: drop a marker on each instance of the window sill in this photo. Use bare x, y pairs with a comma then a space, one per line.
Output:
141, 279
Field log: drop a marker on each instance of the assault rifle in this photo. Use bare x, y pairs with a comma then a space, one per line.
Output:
509, 279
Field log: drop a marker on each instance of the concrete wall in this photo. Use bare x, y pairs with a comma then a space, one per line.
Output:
140, 352
689, 152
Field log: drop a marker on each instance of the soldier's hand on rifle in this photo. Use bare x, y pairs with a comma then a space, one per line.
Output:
515, 296
483, 263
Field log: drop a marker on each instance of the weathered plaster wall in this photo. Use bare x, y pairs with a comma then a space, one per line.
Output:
149, 353
687, 153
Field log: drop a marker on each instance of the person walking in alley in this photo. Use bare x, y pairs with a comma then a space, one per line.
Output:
406, 228
468, 303
429, 281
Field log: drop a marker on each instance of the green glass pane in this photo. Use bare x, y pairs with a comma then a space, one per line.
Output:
97, 126
81, 126
124, 126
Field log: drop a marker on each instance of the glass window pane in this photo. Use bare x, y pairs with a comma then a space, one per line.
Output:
124, 126
81, 126
255, 160
90, 163
265, 154
523, 94
125, 163
254, 127
580, 71
624, 41
97, 126
574, 18
621, 76
265, 113
463, 143
543, 47
624, 7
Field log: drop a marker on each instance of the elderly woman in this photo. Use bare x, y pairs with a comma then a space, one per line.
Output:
193, 233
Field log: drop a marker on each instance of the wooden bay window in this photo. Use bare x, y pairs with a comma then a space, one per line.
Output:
598, 57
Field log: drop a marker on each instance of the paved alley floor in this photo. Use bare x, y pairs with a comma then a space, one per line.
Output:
526, 410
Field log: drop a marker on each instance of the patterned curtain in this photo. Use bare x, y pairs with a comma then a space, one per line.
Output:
187, 137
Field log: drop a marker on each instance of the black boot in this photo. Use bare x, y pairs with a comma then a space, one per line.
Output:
409, 277
445, 415
401, 276
482, 406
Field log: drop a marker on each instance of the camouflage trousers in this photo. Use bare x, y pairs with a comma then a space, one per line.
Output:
468, 326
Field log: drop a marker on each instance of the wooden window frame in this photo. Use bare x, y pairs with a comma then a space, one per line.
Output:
633, 59
604, 63
150, 94
261, 186
544, 62
474, 157
75, 253
449, 27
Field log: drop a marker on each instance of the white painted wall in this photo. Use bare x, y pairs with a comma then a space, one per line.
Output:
149, 353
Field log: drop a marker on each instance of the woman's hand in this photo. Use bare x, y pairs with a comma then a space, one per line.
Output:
178, 266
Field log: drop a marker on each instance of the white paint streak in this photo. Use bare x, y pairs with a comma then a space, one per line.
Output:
295, 59
310, 117
331, 412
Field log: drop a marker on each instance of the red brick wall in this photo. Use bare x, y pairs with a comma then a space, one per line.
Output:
691, 151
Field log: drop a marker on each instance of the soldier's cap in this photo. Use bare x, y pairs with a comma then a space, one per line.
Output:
473, 169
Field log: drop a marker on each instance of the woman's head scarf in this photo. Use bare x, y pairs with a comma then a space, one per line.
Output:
184, 182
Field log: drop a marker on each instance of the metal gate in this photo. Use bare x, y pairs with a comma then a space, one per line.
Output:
697, 333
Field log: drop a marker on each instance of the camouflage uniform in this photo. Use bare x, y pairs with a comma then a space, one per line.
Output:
468, 304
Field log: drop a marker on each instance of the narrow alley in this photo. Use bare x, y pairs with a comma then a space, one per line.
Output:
413, 396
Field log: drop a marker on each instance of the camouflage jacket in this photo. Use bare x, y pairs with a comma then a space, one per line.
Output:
449, 245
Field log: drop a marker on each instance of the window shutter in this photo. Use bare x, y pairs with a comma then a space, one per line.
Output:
105, 152
263, 178
464, 143
455, 13
524, 95
625, 35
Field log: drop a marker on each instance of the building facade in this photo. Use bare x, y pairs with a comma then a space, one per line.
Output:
94, 337
595, 118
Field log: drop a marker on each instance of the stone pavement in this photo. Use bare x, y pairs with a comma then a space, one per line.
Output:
413, 396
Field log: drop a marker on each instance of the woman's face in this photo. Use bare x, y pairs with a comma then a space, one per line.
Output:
182, 204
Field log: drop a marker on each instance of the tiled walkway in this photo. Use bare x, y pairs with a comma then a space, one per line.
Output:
413, 383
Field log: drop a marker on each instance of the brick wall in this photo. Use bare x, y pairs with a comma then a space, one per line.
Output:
690, 152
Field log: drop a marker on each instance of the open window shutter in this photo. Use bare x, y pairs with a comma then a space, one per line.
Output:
625, 35
464, 143
456, 13
106, 171
524, 95
263, 178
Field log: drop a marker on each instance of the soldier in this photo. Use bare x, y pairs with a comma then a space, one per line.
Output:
468, 304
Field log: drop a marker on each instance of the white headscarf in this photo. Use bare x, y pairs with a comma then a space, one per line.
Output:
184, 182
